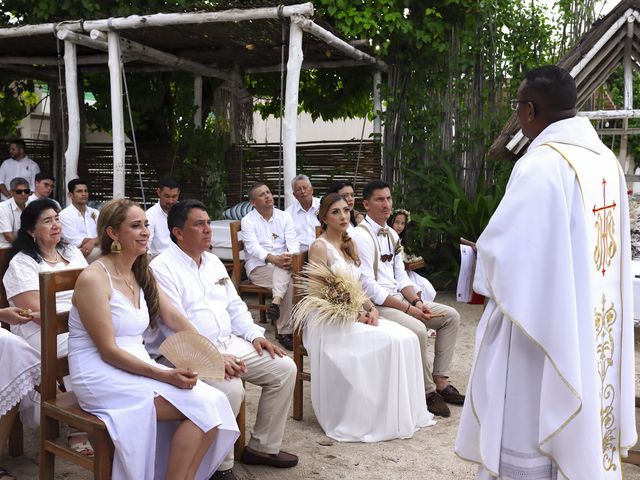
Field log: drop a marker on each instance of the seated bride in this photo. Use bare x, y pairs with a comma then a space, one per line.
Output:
367, 374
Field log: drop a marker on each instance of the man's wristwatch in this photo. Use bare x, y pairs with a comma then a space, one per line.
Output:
415, 302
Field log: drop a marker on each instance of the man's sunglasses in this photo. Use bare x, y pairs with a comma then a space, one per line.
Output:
21, 191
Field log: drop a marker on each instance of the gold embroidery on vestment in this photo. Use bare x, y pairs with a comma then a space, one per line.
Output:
605, 229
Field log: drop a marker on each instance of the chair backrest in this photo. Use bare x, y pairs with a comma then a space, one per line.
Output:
4, 264
52, 323
237, 246
297, 264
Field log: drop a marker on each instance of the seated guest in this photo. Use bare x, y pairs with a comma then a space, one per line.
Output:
269, 238
168, 193
345, 188
198, 285
399, 221
20, 374
44, 188
79, 220
114, 378
39, 248
344, 384
304, 211
11, 209
386, 283
18, 165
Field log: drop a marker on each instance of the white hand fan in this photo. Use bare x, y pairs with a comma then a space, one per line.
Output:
195, 352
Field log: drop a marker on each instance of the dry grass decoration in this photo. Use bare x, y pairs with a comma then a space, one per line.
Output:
194, 352
328, 297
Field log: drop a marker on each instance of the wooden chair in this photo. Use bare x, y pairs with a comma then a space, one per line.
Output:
63, 407
16, 437
299, 352
246, 286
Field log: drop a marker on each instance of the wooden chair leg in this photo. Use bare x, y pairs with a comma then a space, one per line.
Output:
263, 313
298, 395
103, 449
47, 459
241, 420
16, 440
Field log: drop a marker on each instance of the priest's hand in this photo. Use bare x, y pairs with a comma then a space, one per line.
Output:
233, 366
262, 343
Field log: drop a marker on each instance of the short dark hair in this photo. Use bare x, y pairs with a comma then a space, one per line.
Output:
44, 176
13, 184
338, 185
552, 88
18, 142
179, 213
254, 187
168, 182
71, 186
24, 242
372, 186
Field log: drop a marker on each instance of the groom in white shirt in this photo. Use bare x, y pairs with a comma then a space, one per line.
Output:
198, 285
387, 284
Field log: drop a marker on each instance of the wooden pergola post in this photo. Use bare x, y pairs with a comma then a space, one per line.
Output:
117, 114
627, 63
73, 111
197, 100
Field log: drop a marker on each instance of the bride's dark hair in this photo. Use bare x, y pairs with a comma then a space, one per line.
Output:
347, 246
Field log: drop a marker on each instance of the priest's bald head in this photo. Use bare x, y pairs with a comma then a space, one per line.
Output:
546, 95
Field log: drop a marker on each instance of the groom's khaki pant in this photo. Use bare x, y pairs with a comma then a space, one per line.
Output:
281, 285
447, 328
277, 377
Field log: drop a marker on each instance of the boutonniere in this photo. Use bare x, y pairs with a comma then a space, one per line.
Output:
398, 249
275, 235
223, 281
93, 216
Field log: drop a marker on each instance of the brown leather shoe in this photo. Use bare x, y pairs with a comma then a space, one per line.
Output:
286, 341
223, 475
273, 312
279, 460
436, 405
450, 394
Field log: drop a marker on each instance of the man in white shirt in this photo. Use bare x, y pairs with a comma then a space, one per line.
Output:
387, 284
168, 192
198, 284
304, 211
269, 240
80, 221
18, 165
11, 210
44, 188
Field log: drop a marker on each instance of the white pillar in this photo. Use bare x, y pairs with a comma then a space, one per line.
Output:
628, 96
289, 136
117, 116
73, 110
197, 101
377, 104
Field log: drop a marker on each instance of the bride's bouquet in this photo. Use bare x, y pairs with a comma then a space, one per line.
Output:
328, 297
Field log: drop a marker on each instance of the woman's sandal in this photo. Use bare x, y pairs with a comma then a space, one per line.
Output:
5, 475
82, 448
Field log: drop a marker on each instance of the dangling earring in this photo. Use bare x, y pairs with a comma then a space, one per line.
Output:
116, 247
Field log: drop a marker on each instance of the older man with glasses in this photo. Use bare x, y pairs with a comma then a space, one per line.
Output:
11, 210
387, 284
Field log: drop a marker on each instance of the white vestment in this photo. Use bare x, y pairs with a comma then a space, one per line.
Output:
551, 392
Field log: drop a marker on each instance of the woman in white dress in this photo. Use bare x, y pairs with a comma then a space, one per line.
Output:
113, 376
19, 375
38, 247
367, 383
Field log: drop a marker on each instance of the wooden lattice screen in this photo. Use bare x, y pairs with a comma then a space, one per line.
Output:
40, 151
322, 162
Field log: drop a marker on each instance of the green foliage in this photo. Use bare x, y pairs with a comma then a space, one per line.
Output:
15, 100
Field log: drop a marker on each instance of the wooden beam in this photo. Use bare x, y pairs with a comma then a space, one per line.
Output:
610, 114
605, 70
605, 53
618, 131
310, 65
84, 40
161, 20
52, 61
22, 71
330, 39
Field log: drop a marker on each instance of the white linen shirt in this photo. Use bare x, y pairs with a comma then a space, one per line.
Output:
159, 238
205, 295
25, 168
76, 227
9, 220
305, 221
262, 237
392, 277
33, 197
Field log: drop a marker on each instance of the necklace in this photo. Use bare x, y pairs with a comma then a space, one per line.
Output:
54, 261
128, 283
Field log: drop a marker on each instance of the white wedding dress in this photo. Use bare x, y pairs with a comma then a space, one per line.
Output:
125, 401
366, 381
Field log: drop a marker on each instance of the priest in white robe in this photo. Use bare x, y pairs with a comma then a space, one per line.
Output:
551, 391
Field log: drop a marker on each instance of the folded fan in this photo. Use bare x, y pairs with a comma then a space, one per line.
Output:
194, 352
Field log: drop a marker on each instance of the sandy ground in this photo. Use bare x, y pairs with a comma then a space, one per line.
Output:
427, 456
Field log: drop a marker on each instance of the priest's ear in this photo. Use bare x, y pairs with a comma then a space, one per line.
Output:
531, 111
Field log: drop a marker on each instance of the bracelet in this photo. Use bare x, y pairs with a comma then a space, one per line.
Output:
408, 307
415, 302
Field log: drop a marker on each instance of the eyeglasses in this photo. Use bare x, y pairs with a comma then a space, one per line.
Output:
513, 103
387, 257
21, 191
